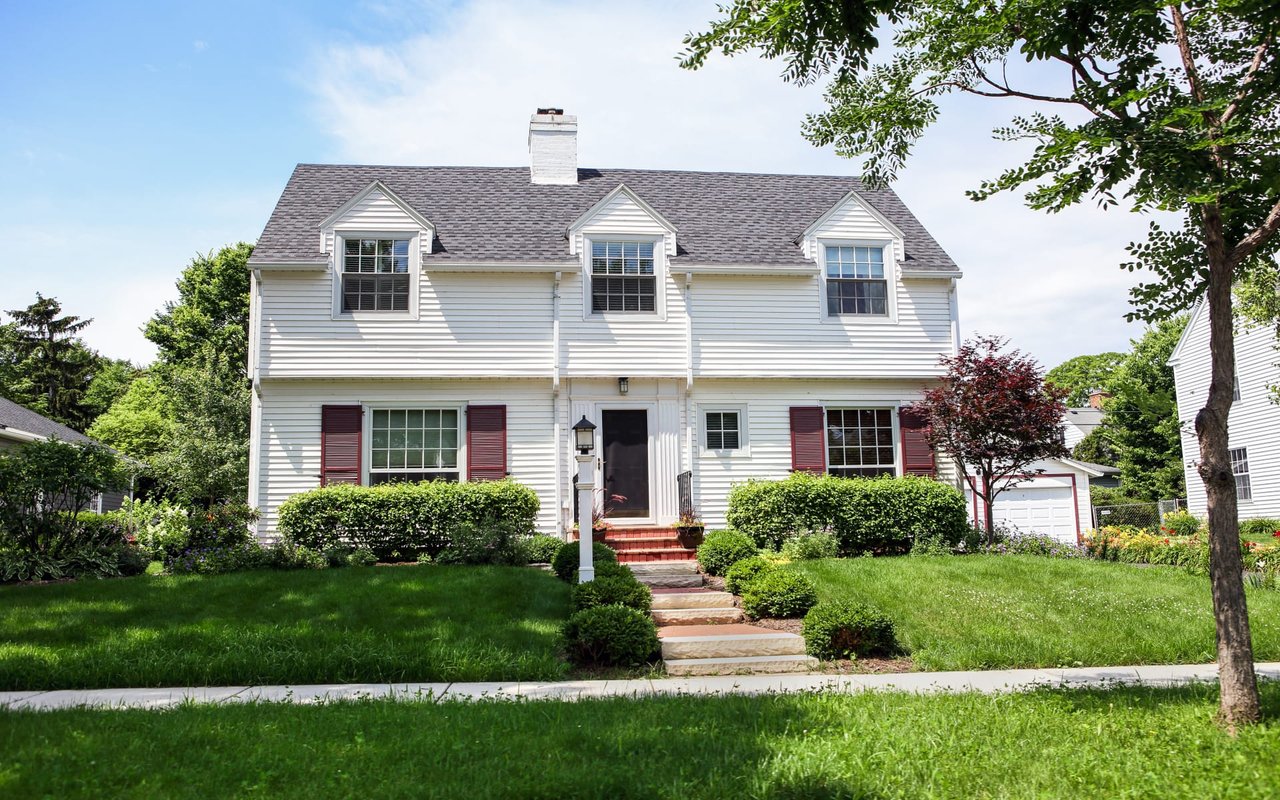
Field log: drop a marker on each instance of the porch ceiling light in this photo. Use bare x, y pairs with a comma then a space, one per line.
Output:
584, 435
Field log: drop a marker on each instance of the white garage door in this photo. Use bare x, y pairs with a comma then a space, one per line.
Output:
1039, 509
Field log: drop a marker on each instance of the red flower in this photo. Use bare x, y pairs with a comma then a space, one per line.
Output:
1166, 541
1276, 534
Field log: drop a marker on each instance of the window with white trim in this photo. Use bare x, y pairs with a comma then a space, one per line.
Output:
375, 275
623, 277
860, 442
856, 284
418, 444
1240, 469
1235, 390
723, 430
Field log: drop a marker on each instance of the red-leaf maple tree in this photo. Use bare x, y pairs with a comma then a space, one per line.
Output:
995, 416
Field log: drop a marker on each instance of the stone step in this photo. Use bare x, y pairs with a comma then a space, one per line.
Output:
665, 600
660, 580
736, 641
696, 616
745, 665
687, 567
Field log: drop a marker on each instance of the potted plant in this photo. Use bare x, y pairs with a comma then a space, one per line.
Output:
689, 529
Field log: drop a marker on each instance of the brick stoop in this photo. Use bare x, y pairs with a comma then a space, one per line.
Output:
638, 545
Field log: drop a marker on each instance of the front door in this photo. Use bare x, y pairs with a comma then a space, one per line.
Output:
626, 462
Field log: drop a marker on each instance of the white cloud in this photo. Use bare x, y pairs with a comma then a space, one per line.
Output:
462, 94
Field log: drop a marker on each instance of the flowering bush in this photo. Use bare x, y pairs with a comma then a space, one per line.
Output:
1032, 544
218, 559
1180, 523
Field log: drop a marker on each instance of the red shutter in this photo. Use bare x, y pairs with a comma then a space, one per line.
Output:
808, 439
340, 444
917, 455
486, 443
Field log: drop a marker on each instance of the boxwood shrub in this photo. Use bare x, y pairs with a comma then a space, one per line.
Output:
847, 630
540, 549
780, 594
565, 562
743, 573
399, 521
613, 590
610, 636
722, 549
881, 515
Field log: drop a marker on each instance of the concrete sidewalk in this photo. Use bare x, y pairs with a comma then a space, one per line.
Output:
985, 681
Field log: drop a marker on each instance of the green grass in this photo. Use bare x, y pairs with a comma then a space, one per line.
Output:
1150, 743
987, 612
349, 625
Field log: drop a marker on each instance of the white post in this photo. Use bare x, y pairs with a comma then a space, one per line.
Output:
586, 503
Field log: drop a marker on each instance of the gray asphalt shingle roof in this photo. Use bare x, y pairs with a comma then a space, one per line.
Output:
24, 419
496, 214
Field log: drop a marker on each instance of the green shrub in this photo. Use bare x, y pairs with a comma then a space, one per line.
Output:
741, 574
881, 515
606, 569
811, 546
90, 561
362, 557
159, 528
612, 590
223, 526
286, 555
1180, 523
722, 549
565, 562
847, 630
541, 548
779, 594
489, 541
132, 560
934, 546
221, 560
43, 484
397, 521
610, 636
1258, 528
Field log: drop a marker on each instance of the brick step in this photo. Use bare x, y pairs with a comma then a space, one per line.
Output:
707, 599
737, 641
644, 543
696, 616
745, 665
669, 581
630, 533
653, 554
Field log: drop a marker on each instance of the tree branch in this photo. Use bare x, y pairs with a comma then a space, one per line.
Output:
1257, 237
1249, 75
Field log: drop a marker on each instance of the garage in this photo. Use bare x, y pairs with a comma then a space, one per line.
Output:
1052, 501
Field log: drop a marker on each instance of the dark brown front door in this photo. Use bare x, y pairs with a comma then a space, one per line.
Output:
626, 462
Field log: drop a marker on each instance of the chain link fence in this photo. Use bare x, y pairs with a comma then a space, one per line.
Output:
1140, 515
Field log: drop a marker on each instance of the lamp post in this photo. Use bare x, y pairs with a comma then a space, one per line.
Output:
584, 439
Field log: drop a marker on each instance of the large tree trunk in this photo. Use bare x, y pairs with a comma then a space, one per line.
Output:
1238, 699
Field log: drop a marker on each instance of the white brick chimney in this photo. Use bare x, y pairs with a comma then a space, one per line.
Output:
553, 147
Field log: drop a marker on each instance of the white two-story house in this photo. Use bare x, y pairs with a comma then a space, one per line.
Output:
453, 323
1253, 425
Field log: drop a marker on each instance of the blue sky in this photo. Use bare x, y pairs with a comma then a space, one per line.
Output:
136, 135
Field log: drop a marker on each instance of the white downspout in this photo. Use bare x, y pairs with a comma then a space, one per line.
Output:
954, 301
555, 404
255, 399
689, 423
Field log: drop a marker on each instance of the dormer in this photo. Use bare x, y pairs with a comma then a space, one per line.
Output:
377, 243
623, 243
859, 254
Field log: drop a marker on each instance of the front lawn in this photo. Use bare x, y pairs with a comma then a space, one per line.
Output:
384, 624
988, 612
1153, 743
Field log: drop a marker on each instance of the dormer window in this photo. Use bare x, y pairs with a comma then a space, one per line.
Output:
855, 281
622, 277
375, 275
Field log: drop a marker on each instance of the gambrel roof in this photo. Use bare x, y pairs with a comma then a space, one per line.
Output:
493, 214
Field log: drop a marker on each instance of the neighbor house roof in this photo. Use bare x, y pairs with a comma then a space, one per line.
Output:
1086, 418
488, 214
22, 424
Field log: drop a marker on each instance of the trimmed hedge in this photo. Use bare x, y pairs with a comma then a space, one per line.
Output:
742, 574
779, 594
541, 548
881, 515
565, 562
612, 590
399, 521
847, 630
722, 549
610, 636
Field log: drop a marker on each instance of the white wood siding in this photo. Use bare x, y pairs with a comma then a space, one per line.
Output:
851, 222
1254, 423
375, 212
290, 431
621, 216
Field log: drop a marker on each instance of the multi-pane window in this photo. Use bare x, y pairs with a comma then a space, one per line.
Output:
375, 275
413, 445
860, 442
1235, 390
856, 282
723, 431
1240, 468
622, 277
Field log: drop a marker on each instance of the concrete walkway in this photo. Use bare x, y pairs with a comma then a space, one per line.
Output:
986, 682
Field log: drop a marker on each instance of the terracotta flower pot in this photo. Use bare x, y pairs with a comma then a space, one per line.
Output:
690, 536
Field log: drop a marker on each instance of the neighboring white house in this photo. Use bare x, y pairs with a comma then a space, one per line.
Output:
455, 322
1254, 424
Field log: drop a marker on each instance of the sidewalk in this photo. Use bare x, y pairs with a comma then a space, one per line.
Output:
985, 682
